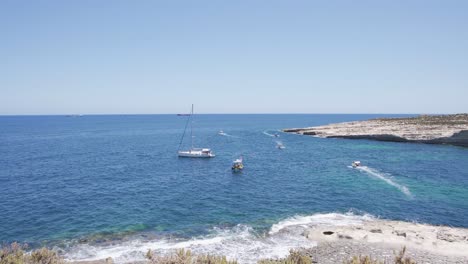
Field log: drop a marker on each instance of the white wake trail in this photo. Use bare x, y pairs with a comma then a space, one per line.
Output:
268, 134
227, 135
385, 178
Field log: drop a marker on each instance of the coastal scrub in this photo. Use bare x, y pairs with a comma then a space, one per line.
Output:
15, 254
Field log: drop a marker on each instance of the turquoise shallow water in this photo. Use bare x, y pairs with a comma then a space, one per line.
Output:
78, 183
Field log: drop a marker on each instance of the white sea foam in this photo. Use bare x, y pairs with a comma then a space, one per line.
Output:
241, 242
331, 219
386, 178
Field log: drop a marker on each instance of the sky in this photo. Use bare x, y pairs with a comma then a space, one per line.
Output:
159, 57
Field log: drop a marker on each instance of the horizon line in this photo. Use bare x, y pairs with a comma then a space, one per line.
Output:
129, 114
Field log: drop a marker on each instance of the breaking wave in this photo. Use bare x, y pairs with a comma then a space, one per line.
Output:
241, 242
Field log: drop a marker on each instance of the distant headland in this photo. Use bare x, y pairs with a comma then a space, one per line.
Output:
430, 129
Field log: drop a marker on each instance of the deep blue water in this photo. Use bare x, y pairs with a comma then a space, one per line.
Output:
64, 178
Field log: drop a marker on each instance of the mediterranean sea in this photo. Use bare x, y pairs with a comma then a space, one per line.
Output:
112, 185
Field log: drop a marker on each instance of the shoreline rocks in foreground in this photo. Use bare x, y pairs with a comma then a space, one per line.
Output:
430, 129
382, 238
378, 238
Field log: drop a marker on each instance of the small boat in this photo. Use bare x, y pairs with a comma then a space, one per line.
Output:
193, 152
221, 133
237, 165
280, 145
183, 114
276, 135
356, 164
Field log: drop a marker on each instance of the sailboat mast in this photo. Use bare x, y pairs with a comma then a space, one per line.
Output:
191, 126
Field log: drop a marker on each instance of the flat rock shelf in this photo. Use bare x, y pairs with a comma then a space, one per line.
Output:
430, 129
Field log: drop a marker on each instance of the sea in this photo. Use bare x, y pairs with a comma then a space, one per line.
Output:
98, 186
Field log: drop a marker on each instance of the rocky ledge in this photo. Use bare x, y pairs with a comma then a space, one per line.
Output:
431, 129
380, 239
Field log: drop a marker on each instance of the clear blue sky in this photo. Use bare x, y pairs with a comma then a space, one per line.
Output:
101, 57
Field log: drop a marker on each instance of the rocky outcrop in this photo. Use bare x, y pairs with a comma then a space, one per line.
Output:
431, 129
379, 238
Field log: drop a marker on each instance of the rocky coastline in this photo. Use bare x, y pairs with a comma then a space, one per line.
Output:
379, 239
429, 129
383, 239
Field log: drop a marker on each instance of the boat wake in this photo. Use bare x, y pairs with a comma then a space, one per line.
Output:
241, 242
269, 134
279, 145
226, 135
386, 178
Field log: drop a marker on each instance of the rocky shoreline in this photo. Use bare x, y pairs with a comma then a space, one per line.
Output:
430, 129
383, 239
379, 239
342, 251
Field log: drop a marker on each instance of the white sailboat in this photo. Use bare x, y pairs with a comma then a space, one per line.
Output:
193, 152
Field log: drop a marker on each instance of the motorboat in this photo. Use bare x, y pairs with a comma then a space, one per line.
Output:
356, 164
237, 165
280, 145
221, 133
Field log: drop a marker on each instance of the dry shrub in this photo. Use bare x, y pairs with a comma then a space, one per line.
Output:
14, 254
294, 257
185, 257
399, 259
45, 256
363, 260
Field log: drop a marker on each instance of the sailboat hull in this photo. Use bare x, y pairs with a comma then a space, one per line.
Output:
194, 153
